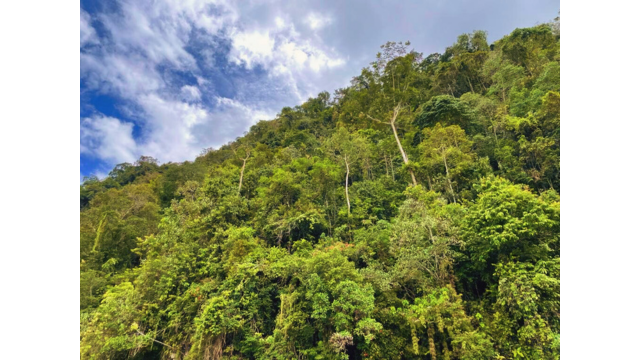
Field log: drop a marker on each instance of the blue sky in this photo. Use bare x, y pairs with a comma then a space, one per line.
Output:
167, 78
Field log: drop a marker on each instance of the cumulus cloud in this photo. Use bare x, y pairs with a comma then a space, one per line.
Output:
282, 45
252, 48
107, 138
168, 134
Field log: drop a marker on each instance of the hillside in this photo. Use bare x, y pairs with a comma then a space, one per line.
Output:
414, 214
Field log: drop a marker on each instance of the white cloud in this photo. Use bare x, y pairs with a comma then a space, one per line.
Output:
87, 32
280, 23
161, 29
168, 134
177, 131
229, 119
107, 138
144, 35
296, 61
252, 48
150, 41
125, 75
145, 29
317, 21
252, 115
281, 47
190, 93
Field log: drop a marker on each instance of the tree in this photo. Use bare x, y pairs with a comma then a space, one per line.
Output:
506, 78
442, 313
396, 70
509, 223
530, 48
247, 154
444, 109
448, 146
392, 122
348, 149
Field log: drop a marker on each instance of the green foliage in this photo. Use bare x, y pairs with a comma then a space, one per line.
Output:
441, 313
508, 222
444, 109
308, 238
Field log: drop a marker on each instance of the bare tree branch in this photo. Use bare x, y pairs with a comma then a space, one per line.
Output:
374, 119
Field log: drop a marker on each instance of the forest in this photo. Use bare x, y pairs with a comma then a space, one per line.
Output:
414, 214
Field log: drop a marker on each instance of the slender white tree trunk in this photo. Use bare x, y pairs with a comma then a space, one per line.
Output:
346, 187
404, 155
244, 162
396, 112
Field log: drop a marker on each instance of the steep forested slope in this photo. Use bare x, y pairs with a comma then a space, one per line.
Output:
411, 215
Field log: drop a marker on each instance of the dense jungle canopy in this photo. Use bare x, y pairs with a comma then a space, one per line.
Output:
414, 214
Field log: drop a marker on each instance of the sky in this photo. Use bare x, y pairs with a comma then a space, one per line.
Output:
168, 78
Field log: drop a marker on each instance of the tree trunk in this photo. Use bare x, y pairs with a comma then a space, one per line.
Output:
444, 157
404, 155
432, 344
326, 205
346, 187
386, 164
482, 83
445, 350
244, 162
396, 112
393, 173
471, 86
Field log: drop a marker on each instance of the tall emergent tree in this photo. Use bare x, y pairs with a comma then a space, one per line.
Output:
392, 83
